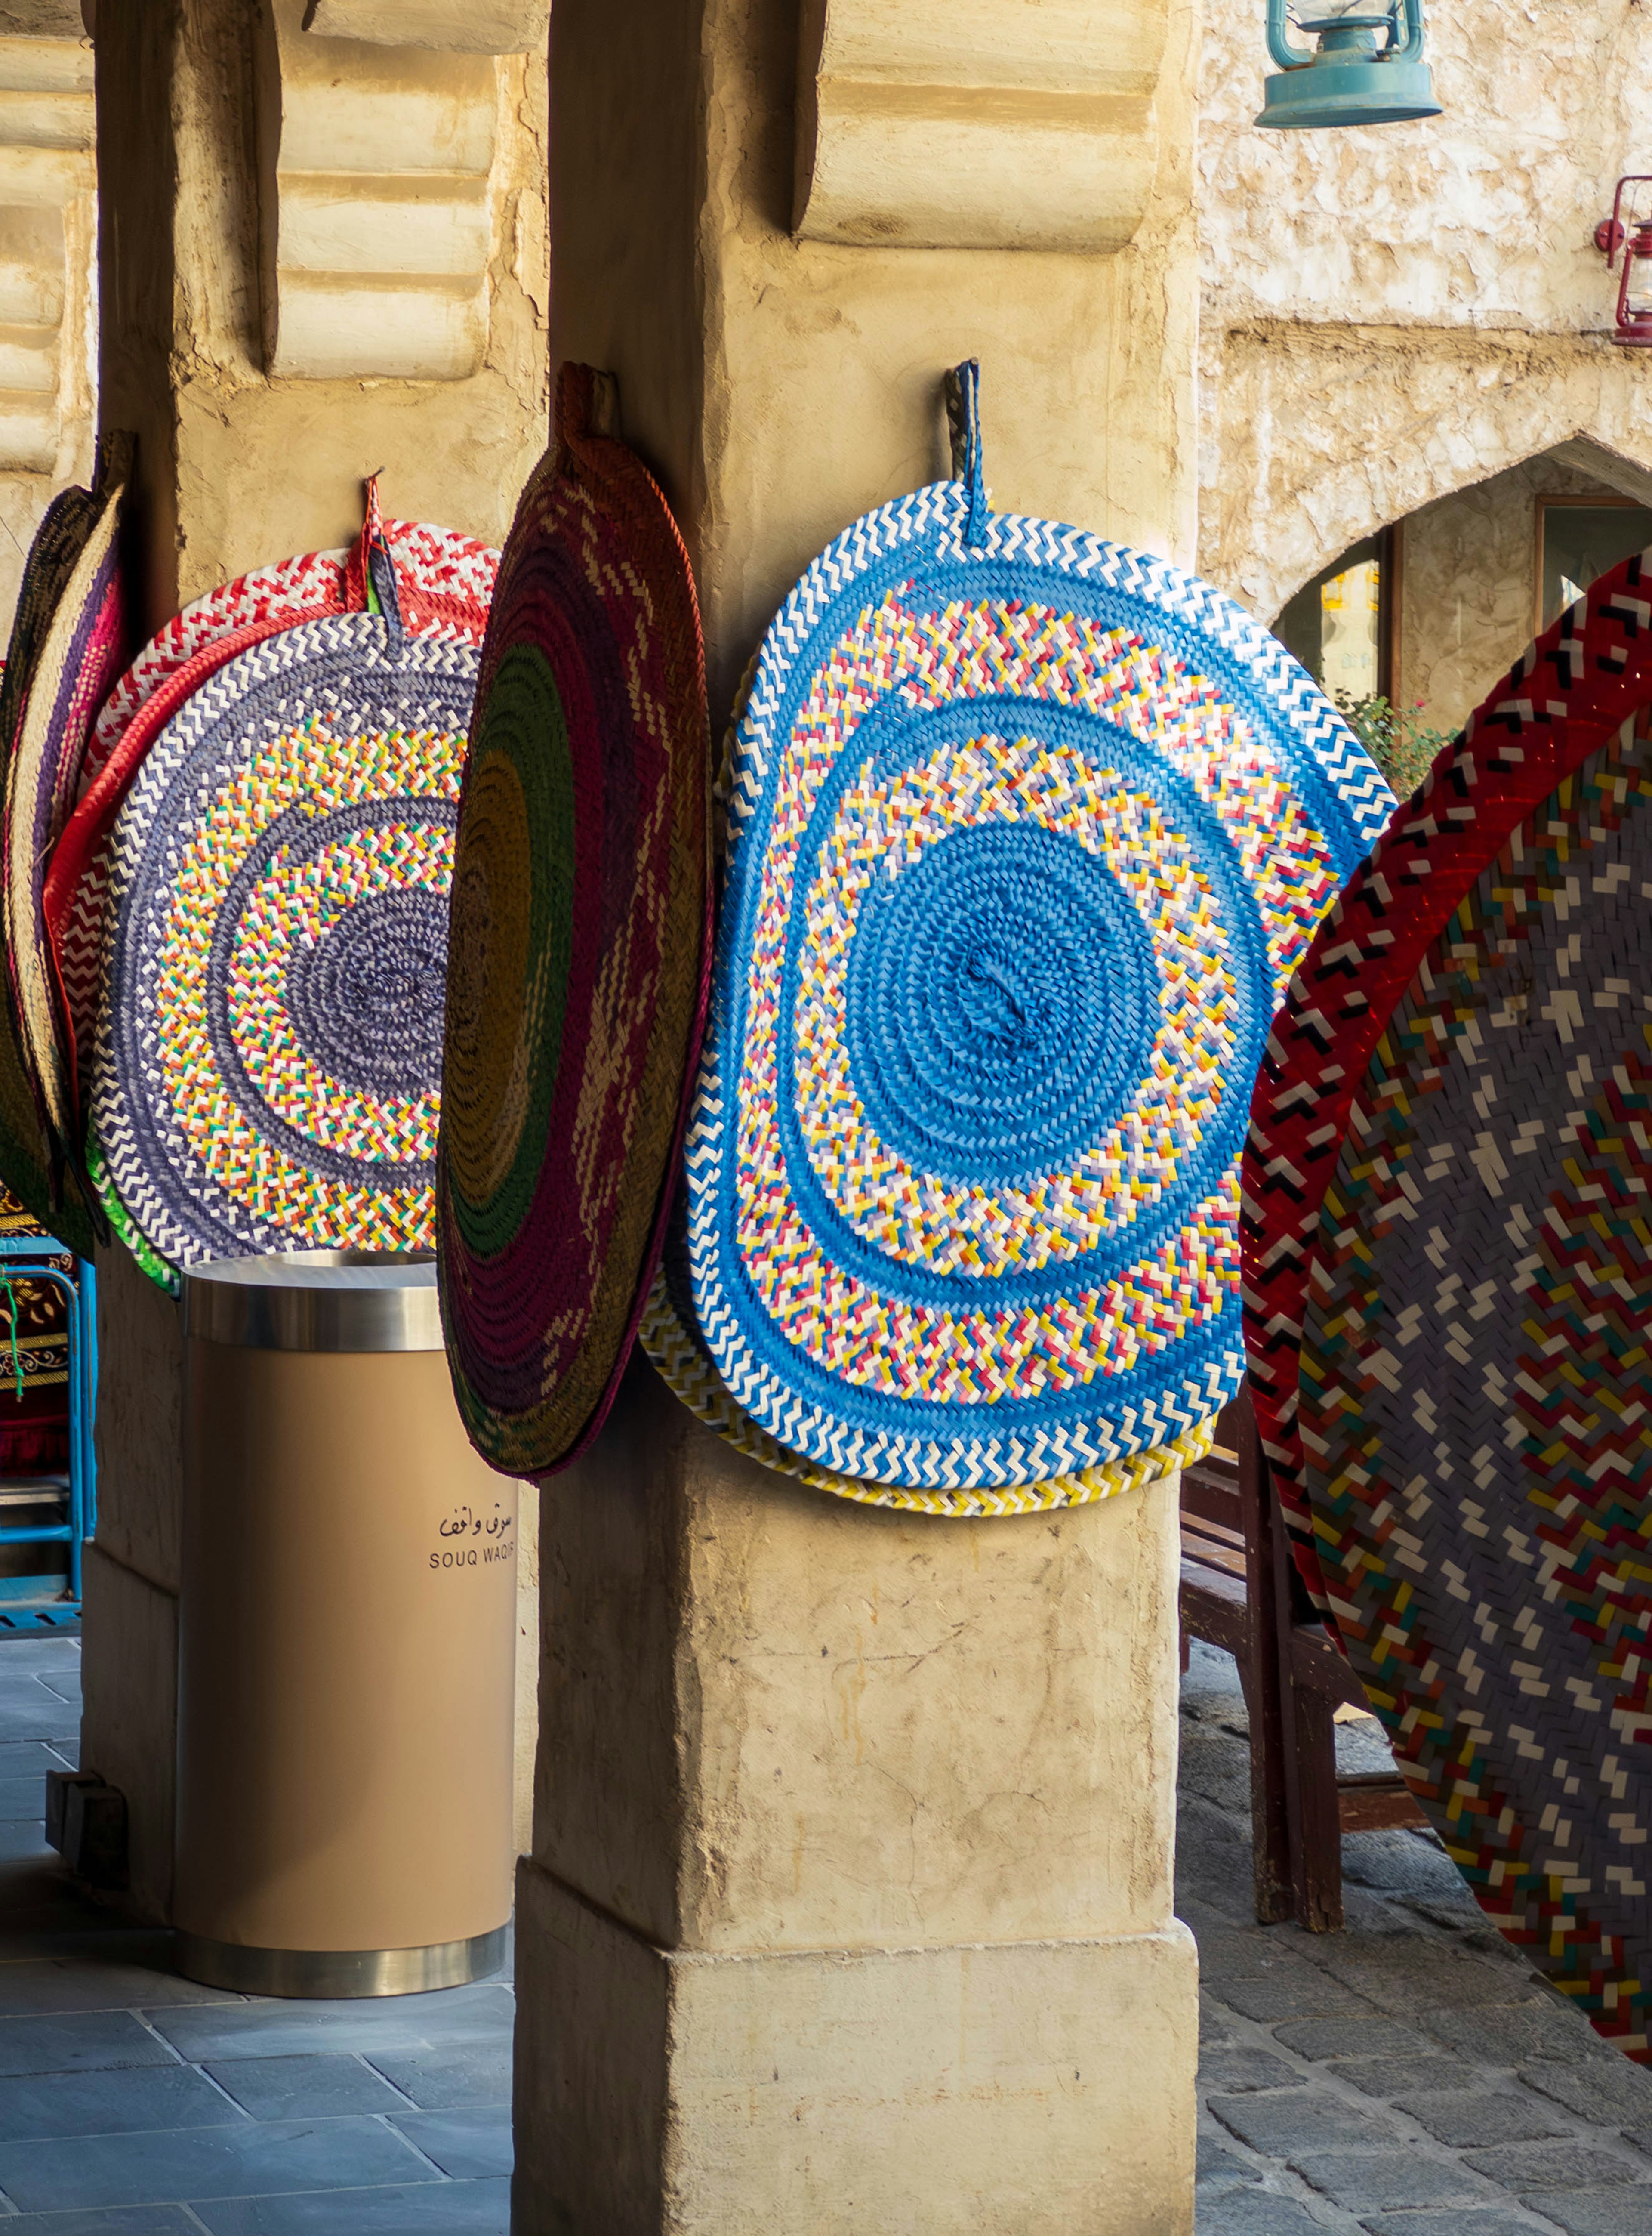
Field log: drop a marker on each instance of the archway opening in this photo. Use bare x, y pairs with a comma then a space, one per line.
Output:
1410, 628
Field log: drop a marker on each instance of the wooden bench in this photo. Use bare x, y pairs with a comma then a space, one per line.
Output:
1241, 1592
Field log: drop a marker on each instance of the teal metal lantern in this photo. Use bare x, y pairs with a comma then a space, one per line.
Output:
1366, 69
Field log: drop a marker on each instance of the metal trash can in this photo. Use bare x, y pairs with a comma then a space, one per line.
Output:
347, 1640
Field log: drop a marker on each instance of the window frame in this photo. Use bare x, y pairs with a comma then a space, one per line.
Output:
1608, 501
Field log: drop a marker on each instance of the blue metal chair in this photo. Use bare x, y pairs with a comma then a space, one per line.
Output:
37, 1257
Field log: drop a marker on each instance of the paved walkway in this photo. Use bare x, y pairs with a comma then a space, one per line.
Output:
1407, 2077
134, 2103
1410, 2076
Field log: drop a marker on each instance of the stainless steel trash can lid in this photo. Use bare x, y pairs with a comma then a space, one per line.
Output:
317, 1300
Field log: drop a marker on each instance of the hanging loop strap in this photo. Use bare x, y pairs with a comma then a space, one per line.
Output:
963, 420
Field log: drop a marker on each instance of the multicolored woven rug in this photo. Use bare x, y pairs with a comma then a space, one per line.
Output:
1473, 1441
267, 1067
1583, 677
580, 946
43, 717
445, 582
1026, 835
81, 653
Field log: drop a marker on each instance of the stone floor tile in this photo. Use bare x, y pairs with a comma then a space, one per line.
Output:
468, 2145
1215, 2025
451, 2080
444, 2208
1597, 2088
40, 1649
1262, 1954
1384, 2181
1555, 2165
1456, 1910
1221, 2169
112, 2102
1268, 2000
1511, 2036
1398, 1862
306, 2088
1477, 2118
1290, 2119
1484, 2220
1595, 2212
1364, 2036
91, 2041
248, 2159
23, 1795
22, 1758
123, 2220
1233, 2072
1407, 1976
87, 1985
30, 1710
1255, 2213
483, 2013
1388, 2077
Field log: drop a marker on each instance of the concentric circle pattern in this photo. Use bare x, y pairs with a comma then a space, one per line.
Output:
444, 583
268, 1073
579, 938
1475, 1385
1027, 833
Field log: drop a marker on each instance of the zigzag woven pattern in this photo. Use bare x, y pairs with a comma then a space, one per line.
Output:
1027, 833
1578, 683
268, 1050
1475, 1385
668, 1336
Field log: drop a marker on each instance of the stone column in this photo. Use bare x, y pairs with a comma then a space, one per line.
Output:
275, 330
849, 1906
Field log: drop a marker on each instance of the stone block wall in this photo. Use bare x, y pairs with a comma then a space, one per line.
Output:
1393, 313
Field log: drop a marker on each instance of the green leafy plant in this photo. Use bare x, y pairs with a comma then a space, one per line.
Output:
1402, 745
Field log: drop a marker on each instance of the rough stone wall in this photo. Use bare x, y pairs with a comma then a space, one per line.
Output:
1392, 313
1469, 603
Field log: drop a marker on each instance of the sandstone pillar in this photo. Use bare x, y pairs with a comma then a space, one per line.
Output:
849, 1906
322, 257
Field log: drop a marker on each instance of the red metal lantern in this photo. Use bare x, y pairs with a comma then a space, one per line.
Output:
1631, 236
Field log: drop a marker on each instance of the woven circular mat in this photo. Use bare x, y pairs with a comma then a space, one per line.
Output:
1476, 1391
444, 583
81, 653
580, 939
677, 1350
1581, 679
37, 1163
267, 1064
1027, 831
